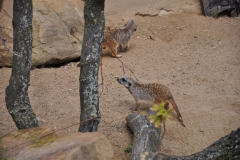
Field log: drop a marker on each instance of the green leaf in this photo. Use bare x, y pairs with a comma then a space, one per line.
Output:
157, 123
128, 149
161, 114
155, 107
153, 118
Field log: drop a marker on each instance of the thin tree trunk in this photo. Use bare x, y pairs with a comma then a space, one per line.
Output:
17, 100
1, 4
90, 58
146, 136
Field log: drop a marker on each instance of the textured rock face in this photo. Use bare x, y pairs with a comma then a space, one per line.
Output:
57, 31
58, 25
126, 9
75, 146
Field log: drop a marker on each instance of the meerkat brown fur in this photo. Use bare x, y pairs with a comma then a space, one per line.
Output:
156, 93
117, 39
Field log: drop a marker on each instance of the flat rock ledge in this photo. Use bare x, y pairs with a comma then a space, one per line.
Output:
38, 144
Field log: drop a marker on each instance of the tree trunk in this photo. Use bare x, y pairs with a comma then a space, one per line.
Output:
227, 147
17, 100
1, 4
90, 58
146, 136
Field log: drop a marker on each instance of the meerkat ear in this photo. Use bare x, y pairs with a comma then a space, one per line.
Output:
129, 84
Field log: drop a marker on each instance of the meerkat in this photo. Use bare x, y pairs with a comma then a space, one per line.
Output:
153, 92
117, 39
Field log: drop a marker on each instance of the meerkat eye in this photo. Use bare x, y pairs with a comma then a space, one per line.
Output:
123, 79
129, 84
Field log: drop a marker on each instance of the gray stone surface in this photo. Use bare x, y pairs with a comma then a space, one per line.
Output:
57, 31
37, 144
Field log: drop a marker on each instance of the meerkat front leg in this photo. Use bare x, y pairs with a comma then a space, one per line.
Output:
115, 51
138, 107
127, 46
166, 106
123, 47
118, 56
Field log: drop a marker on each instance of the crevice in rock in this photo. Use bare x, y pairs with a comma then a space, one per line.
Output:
162, 10
73, 32
165, 11
145, 14
56, 63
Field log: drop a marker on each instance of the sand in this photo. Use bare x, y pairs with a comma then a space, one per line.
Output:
197, 57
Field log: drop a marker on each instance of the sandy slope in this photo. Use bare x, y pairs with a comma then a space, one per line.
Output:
197, 57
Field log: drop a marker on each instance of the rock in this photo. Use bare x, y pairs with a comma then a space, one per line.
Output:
73, 146
58, 25
57, 31
114, 8
214, 8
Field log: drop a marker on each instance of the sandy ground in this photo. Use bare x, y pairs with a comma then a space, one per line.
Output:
197, 57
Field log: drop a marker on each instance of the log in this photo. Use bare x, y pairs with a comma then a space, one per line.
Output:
227, 147
146, 136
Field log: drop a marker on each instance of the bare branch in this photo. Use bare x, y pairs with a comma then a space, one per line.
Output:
123, 64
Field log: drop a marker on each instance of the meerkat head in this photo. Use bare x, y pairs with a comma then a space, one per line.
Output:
126, 81
131, 25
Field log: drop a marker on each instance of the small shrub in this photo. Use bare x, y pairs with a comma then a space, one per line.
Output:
161, 114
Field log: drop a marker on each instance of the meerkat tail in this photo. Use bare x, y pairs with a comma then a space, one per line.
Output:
171, 100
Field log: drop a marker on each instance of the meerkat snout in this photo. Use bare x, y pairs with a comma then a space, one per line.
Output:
119, 80
124, 81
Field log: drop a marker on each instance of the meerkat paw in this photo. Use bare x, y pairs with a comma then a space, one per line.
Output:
133, 109
124, 49
118, 56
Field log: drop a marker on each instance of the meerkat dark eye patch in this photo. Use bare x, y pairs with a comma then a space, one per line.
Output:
123, 79
129, 84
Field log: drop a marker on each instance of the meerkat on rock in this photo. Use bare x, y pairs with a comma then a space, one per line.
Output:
153, 92
117, 39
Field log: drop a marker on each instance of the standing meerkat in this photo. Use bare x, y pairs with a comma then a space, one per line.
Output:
117, 39
153, 92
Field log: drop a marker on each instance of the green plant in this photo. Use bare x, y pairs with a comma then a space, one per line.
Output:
161, 114
128, 149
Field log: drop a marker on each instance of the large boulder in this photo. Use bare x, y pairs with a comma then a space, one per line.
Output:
57, 31
215, 7
58, 25
125, 9
38, 144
